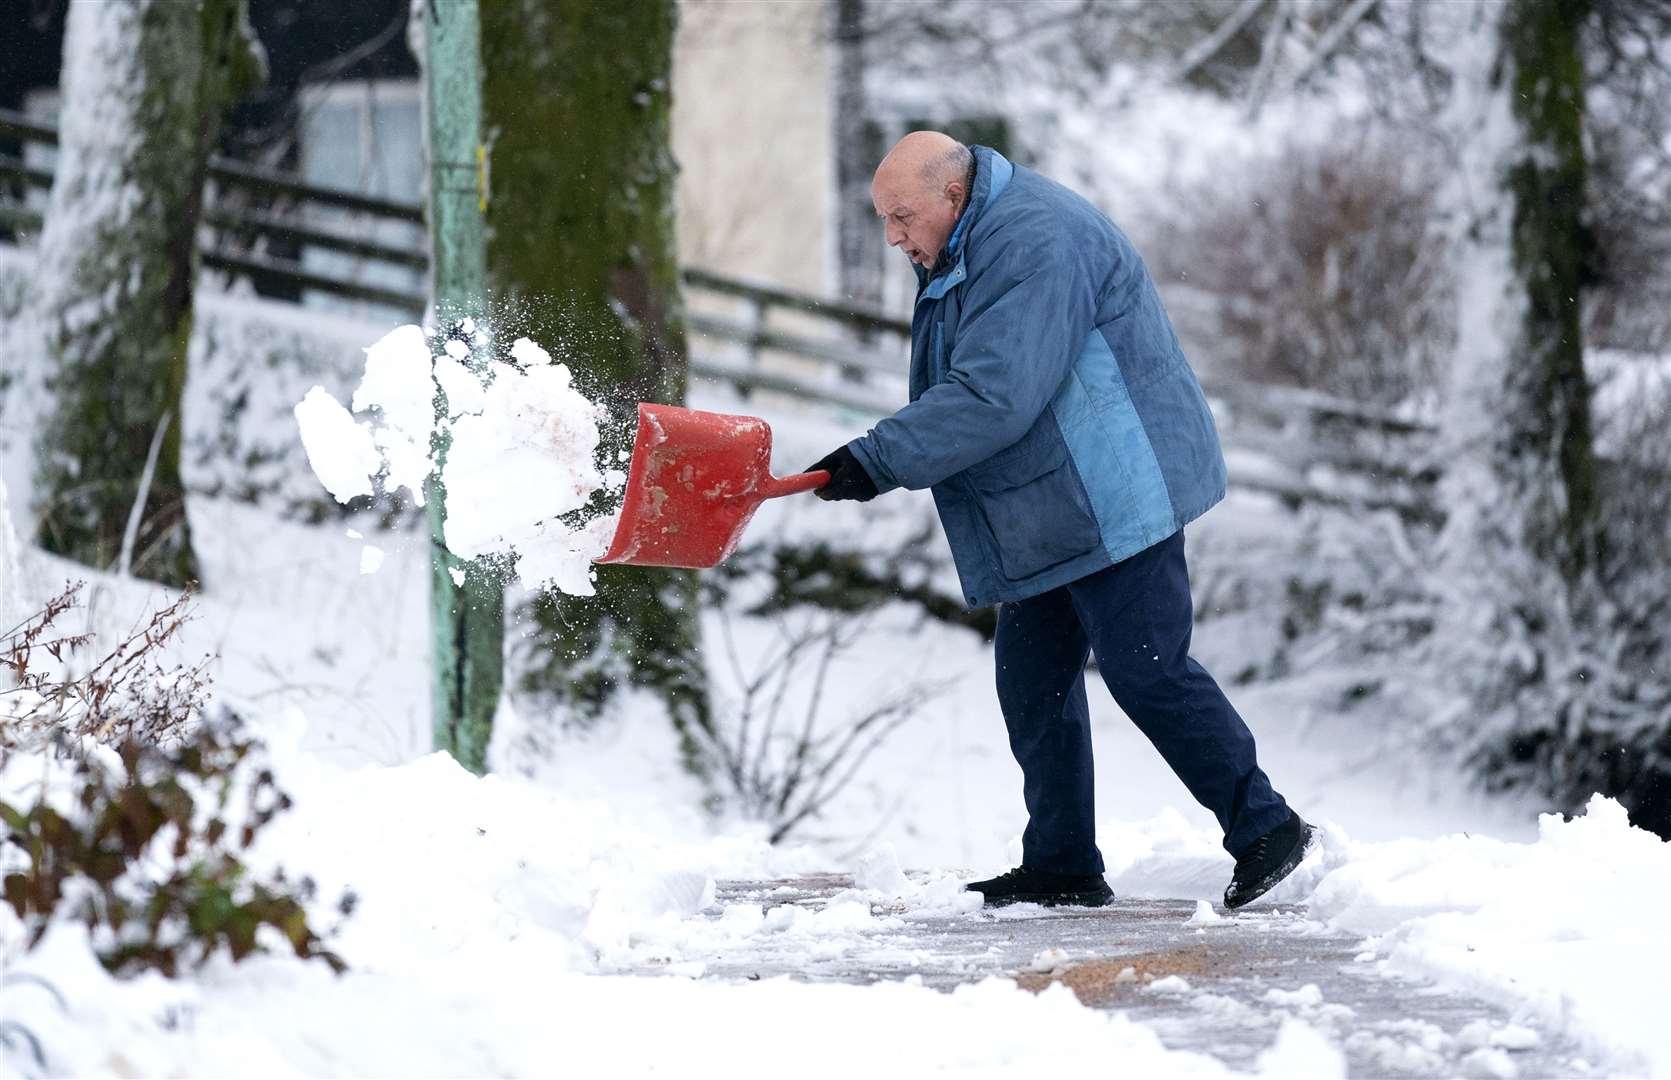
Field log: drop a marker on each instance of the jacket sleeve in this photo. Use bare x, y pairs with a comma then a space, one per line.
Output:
1026, 315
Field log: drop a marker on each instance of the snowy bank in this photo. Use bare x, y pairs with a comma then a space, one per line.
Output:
1572, 928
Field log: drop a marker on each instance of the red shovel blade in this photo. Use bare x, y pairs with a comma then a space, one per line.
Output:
696, 480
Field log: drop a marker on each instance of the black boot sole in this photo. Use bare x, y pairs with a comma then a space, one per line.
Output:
1097, 898
1270, 881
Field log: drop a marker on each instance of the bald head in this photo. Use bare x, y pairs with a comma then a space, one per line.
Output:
928, 157
919, 191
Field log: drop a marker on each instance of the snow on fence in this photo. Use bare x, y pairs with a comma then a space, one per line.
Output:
260, 224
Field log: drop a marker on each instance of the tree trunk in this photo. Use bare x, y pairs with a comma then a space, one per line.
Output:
1520, 490
858, 151
11, 577
145, 84
581, 246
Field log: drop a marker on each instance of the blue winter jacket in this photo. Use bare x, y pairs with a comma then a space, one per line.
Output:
1052, 410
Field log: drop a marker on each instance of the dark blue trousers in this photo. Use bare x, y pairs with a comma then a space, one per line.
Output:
1137, 617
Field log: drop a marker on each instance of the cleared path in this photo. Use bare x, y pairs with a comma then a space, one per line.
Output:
1221, 987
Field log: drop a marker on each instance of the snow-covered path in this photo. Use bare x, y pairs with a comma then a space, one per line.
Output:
1221, 986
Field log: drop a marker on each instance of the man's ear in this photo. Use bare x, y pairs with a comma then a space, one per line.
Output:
955, 192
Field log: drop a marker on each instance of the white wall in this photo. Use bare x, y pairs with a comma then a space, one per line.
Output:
754, 136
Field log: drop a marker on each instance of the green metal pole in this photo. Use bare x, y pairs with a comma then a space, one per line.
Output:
467, 606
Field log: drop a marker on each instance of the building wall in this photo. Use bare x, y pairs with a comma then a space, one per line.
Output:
754, 135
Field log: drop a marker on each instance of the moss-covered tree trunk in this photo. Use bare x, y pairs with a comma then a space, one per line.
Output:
145, 84
1523, 484
1523, 531
1525, 406
576, 94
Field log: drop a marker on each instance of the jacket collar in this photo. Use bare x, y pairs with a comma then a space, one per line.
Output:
992, 174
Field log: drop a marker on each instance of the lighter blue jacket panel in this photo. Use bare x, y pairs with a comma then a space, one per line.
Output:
1051, 408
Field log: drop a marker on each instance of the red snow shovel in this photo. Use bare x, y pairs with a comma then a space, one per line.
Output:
697, 478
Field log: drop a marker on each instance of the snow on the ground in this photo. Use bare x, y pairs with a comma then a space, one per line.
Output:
1572, 928
493, 909
488, 906
484, 906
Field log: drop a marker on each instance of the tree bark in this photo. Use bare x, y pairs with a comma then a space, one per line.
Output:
577, 97
145, 84
1522, 535
1524, 479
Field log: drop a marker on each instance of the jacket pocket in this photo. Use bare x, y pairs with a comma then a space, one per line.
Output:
1035, 504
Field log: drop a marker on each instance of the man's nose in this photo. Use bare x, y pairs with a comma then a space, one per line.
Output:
895, 235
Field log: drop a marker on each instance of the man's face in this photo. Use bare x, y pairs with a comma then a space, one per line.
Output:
917, 217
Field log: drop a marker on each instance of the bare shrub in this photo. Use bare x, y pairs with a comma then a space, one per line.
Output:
784, 763
1320, 270
127, 692
144, 839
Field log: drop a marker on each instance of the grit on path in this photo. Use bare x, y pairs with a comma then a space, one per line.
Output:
1221, 986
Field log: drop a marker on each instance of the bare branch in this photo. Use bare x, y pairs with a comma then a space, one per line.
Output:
1331, 40
1208, 47
1269, 48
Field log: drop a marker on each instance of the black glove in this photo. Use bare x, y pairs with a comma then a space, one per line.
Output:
848, 479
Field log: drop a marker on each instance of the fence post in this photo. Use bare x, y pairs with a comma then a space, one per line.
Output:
754, 322
467, 620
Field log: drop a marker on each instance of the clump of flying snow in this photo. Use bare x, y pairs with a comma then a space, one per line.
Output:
339, 448
398, 383
521, 459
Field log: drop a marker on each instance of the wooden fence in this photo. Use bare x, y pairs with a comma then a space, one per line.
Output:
259, 223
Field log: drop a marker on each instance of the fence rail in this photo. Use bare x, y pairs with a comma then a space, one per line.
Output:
258, 224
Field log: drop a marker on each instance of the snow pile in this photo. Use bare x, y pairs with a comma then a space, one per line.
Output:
879, 880
1163, 857
520, 465
1204, 915
1573, 927
1301, 1051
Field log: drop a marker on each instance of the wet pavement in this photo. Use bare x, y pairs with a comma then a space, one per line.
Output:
1220, 987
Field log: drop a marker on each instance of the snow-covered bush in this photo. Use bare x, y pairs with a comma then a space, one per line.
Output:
145, 850
1588, 704
1319, 269
1569, 697
141, 807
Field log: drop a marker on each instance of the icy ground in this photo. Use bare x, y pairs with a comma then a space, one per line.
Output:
506, 923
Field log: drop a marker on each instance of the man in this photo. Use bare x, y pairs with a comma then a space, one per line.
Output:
1067, 443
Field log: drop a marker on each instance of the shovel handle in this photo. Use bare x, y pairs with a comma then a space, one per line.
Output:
794, 485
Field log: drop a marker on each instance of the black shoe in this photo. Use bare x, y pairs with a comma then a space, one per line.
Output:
1268, 860
1024, 886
